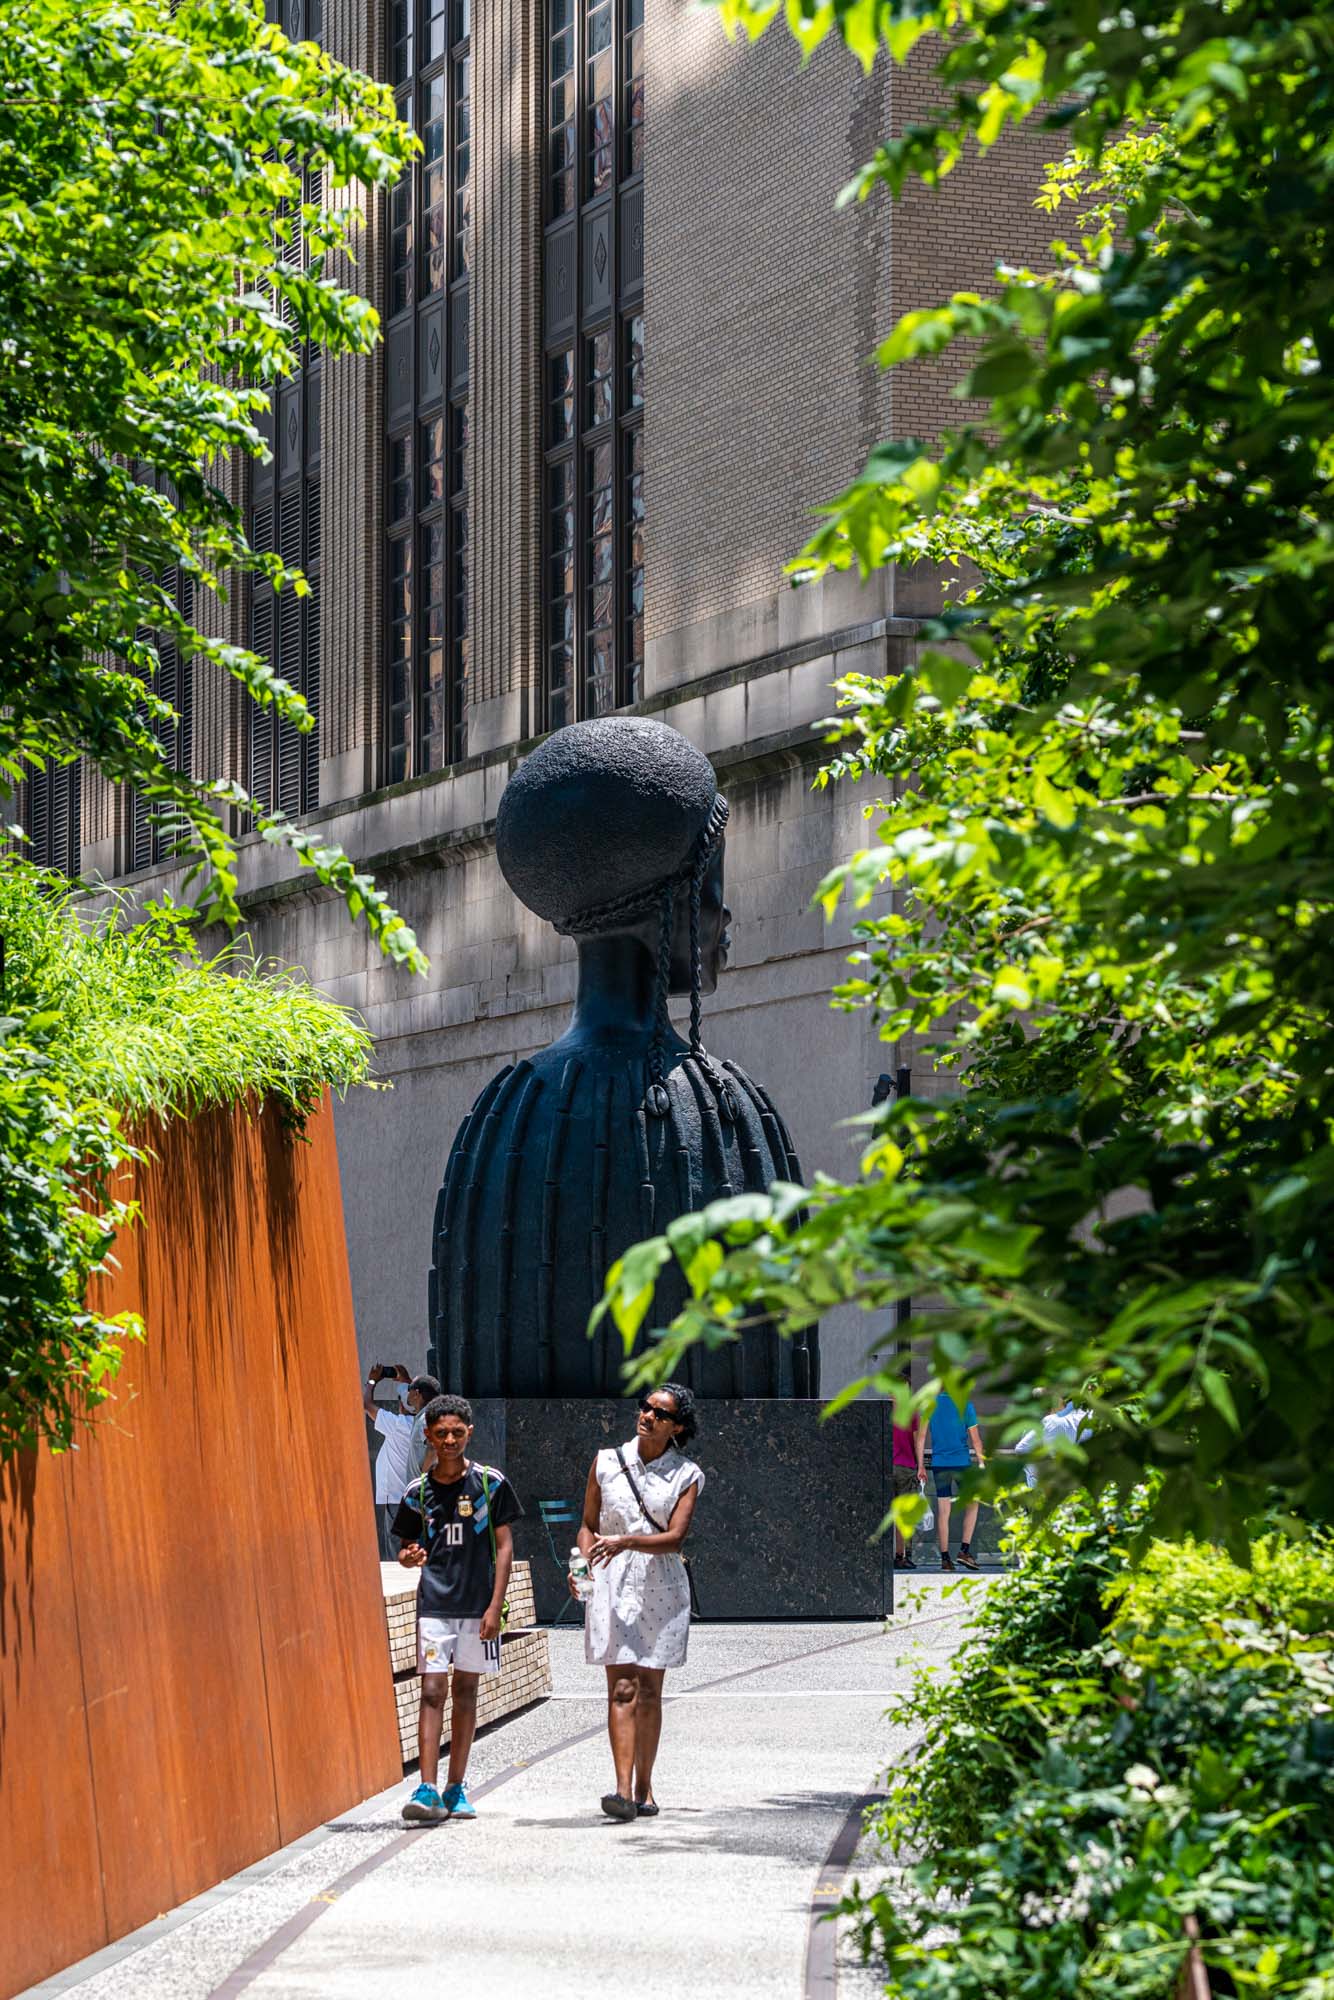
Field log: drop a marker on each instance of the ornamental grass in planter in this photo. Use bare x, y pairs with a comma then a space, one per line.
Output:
109, 1023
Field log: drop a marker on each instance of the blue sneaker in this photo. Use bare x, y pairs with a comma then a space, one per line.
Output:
425, 1806
457, 1803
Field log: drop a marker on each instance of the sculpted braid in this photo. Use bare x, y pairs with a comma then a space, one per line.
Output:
696, 964
656, 1099
717, 1082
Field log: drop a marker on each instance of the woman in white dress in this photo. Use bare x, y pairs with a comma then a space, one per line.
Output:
638, 1506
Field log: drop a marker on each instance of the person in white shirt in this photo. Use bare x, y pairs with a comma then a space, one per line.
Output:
1063, 1420
421, 1453
395, 1429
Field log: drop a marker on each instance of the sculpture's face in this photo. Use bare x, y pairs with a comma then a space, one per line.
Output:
714, 940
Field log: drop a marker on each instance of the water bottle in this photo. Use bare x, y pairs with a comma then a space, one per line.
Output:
581, 1576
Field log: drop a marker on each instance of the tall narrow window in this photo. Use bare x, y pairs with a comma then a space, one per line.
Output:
427, 646
48, 810
151, 836
284, 762
593, 337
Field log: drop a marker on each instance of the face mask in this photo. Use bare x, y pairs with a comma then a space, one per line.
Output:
404, 1390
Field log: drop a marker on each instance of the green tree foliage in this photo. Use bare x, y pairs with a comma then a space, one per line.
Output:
107, 1027
160, 268
1106, 786
1120, 1761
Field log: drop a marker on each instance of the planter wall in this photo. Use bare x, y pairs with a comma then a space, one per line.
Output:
192, 1630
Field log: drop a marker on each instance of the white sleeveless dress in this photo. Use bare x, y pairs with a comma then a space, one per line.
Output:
639, 1613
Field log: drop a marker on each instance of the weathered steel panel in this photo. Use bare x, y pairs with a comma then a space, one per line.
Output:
183, 1596
43, 1737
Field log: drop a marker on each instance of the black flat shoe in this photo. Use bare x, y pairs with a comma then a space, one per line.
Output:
646, 1809
617, 1807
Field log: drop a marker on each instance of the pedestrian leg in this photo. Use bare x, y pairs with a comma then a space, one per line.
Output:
622, 1704
462, 1724
430, 1720
648, 1728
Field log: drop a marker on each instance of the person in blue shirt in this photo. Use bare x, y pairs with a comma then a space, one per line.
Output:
956, 1443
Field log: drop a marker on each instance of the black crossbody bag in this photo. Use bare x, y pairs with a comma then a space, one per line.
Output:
695, 1611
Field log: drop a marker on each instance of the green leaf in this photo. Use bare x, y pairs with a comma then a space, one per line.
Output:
1005, 367
1056, 806
1216, 1388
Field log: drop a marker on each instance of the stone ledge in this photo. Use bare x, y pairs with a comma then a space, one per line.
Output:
365, 825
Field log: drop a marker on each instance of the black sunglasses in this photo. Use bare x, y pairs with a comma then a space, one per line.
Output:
648, 1409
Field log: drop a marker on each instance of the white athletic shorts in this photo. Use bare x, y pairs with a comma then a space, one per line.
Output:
446, 1642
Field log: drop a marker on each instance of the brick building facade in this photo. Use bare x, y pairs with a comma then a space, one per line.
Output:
665, 355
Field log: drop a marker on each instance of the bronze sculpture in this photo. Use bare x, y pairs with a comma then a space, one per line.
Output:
613, 831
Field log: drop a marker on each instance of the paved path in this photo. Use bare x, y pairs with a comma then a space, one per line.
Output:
772, 1736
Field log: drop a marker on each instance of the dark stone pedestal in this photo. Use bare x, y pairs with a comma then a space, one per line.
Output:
785, 1523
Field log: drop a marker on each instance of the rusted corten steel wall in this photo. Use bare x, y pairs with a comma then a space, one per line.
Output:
192, 1632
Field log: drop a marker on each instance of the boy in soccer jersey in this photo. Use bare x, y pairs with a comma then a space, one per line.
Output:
454, 1524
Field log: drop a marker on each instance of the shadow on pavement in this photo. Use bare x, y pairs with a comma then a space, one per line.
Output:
764, 1828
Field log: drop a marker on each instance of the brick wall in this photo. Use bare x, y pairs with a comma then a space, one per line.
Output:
761, 305
764, 303
950, 239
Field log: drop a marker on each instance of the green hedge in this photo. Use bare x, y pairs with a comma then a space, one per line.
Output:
1119, 1757
107, 1023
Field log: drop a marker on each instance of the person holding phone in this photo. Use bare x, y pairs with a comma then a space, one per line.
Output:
392, 1424
638, 1507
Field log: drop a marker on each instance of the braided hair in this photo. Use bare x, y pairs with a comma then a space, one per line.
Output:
717, 1082
686, 1415
660, 898
657, 1101
656, 1098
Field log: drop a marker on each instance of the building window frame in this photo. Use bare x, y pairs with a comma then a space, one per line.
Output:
426, 627
48, 807
151, 836
282, 763
593, 358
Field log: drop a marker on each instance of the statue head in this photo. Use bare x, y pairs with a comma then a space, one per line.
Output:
615, 827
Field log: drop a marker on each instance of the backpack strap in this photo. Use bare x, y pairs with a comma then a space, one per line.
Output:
490, 1524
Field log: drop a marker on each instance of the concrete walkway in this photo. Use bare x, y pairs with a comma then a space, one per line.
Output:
772, 1738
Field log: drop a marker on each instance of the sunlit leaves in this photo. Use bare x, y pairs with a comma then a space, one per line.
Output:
161, 265
1106, 781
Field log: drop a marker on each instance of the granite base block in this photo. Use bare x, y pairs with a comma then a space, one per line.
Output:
786, 1526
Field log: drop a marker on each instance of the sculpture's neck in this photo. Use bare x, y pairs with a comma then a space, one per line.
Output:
616, 986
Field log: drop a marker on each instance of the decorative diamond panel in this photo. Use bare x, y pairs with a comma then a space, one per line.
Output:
596, 264
430, 355
289, 431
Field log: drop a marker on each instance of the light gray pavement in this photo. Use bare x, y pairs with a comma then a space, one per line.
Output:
771, 1736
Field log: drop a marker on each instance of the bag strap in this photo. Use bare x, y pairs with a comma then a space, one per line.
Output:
685, 1559
634, 1488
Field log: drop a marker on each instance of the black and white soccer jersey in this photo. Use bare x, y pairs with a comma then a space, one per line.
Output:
451, 1523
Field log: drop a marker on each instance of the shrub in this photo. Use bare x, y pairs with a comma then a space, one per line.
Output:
1089, 1788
